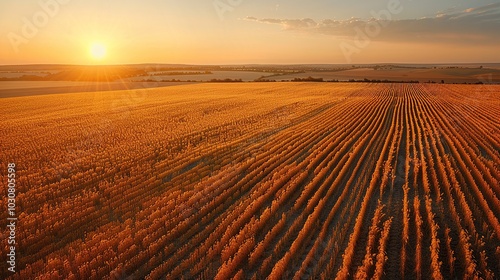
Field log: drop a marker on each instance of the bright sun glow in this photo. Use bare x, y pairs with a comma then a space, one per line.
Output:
97, 51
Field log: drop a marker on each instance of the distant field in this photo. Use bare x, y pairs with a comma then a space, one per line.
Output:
41, 84
256, 181
20, 74
402, 74
243, 75
30, 88
109, 74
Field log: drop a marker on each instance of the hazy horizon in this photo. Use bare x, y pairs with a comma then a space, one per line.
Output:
222, 32
265, 64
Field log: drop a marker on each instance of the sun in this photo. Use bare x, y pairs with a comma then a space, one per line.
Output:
97, 51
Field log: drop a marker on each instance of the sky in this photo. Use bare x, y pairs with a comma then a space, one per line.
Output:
249, 31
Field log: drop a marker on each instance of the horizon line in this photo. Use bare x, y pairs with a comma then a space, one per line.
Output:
258, 64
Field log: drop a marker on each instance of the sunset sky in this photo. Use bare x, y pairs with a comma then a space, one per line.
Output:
249, 31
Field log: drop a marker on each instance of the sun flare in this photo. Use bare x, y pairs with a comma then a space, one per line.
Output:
97, 51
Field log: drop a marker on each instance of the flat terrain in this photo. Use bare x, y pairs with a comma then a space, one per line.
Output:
115, 75
29, 88
448, 75
245, 76
256, 181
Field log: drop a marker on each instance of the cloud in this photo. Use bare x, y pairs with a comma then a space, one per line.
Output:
480, 24
289, 24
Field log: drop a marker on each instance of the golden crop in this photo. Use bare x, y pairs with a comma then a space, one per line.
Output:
257, 180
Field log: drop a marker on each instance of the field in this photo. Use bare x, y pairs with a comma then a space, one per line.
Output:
30, 88
243, 75
256, 181
421, 74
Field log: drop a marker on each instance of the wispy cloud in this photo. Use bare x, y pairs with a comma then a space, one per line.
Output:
474, 24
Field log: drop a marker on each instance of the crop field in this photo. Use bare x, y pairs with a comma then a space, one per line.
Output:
256, 181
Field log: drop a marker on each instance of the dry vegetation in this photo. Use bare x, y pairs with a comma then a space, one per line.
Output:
248, 181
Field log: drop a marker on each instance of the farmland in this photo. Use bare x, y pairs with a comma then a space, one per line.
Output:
255, 181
